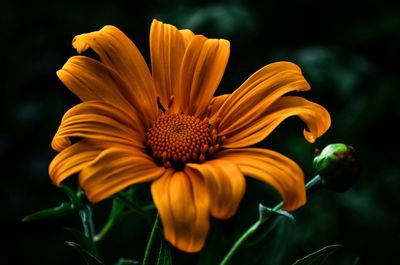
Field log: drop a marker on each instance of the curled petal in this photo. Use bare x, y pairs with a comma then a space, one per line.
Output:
268, 166
314, 116
91, 80
253, 97
202, 68
118, 52
98, 121
73, 159
183, 204
115, 169
225, 183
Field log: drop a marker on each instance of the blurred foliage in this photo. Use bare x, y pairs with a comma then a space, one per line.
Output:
349, 52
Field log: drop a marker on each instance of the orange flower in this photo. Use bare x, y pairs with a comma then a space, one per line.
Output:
165, 126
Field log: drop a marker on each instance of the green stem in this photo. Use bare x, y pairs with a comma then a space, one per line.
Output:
87, 221
103, 231
150, 243
311, 186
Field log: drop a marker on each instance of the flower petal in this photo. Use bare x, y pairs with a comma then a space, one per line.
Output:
225, 183
115, 169
72, 160
183, 203
315, 116
187, 35
167, 48
117, 51
99, 121
216, 103
202, 69
254, 96
268, 166
91, 80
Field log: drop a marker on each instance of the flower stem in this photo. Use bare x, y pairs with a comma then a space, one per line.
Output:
87, 221
311, 186
150, 243
86, 216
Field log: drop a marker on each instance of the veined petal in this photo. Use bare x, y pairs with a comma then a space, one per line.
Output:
254, 96
187, 35
167, 48
202, 69
91, 80
99, 121
115, 169
268, 166
225, 183
315, 117
117, 51
73, 159
216, 103
183, 203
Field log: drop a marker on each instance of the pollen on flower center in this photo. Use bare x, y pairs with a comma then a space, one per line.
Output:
177, 139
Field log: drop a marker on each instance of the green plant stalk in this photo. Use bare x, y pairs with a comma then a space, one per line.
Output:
311, 186
150, 243
87, 221
106, 228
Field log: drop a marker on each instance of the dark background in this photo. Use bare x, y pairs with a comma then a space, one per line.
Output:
349, 52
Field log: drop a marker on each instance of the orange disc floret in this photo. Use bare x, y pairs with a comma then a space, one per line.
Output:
178, 138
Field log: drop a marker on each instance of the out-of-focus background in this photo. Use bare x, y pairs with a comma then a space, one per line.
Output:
349, 52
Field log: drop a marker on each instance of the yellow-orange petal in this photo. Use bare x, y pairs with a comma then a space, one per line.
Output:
115, 169
315, 116
91, 80
187, 35
225, 183
183, 203
216, 103
73, 159
257, 93
202, 68
117, 51
99, 121
167, 48
284, 175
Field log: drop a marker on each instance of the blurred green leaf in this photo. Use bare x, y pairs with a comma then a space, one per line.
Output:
157, 252
132, 205
164, 255
84, 242
89, 258
64, 208
123, 261
318, 257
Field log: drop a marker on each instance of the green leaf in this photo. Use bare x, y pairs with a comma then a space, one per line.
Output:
157, 253
133, 206
265, 213
89, 258
164, 255
318, 257
62, 209
123, 261
84, 242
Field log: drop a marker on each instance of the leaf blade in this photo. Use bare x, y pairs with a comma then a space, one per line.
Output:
318, 257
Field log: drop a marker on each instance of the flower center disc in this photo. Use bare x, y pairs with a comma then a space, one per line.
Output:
176, 139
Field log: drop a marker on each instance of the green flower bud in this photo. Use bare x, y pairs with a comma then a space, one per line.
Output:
337, 166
